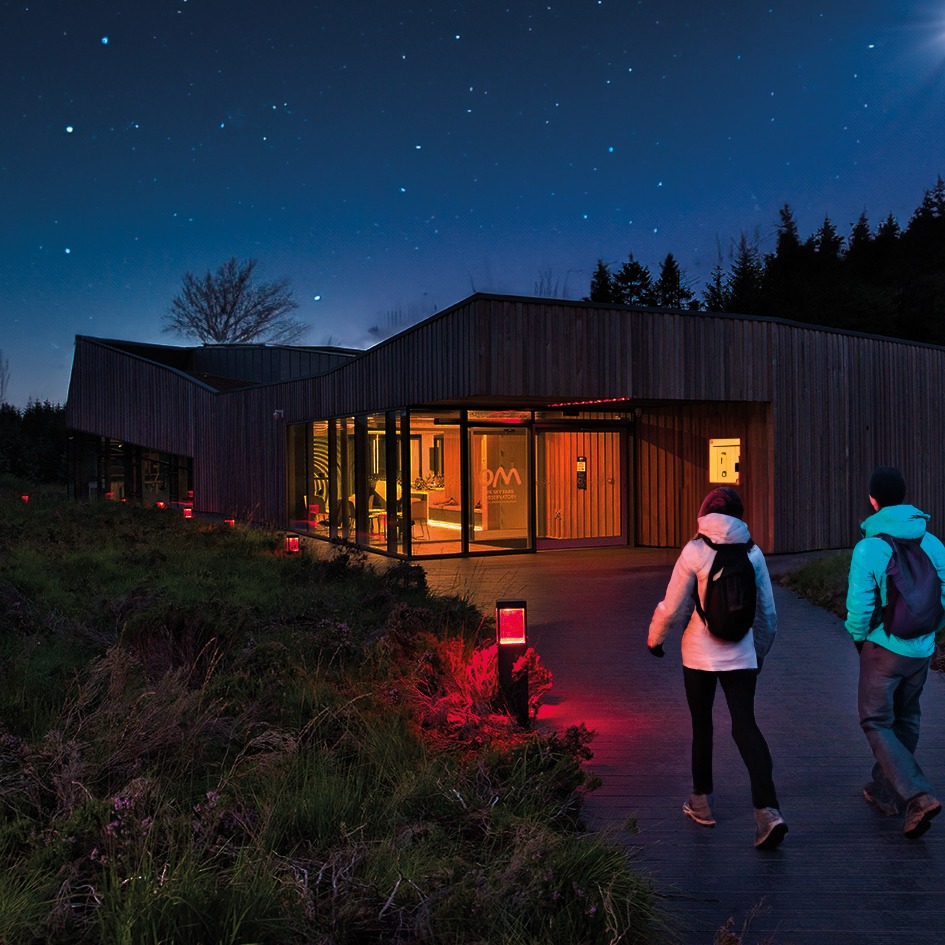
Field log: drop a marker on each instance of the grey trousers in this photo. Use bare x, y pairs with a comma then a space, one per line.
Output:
888, 699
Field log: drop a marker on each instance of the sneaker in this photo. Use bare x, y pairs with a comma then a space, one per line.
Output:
698, 807
770, 828
883, 805
919, 813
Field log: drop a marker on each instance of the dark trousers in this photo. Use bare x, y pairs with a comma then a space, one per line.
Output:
739, 688
889, 692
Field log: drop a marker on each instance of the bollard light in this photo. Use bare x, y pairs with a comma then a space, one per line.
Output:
292, 543
160, 504
25, 498
511, 630
229, 521
510, 622
188, 512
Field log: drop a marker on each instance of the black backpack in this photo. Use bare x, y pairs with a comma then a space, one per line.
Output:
731, 594
913, 590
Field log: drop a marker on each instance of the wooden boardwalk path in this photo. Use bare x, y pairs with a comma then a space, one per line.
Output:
844, 874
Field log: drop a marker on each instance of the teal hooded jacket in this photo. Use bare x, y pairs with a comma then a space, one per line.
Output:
866, 593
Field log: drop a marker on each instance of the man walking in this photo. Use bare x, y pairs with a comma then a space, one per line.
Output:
893, 668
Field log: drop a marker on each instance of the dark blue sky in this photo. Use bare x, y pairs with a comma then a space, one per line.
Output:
390, 158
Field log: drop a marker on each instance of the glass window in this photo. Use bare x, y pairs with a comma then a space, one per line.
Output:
435, 505
344, 507
499, 473
307, 487
381, 502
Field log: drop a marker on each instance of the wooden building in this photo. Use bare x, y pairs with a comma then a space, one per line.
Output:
519, 424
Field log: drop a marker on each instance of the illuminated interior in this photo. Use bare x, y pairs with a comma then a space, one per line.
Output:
426, 482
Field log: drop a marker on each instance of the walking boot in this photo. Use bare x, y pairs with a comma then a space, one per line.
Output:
919, 813
699, 808
770, 828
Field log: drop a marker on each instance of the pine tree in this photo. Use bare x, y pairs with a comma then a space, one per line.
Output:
671, 289
827, 242
922, 309
889, 230
861, 239
787, 273
789, 240
602, 285
633, 284
715, 296
745, 278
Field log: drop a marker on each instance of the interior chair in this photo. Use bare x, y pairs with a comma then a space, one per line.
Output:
419, 527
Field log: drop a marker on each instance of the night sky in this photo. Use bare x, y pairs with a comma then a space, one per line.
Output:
390, 158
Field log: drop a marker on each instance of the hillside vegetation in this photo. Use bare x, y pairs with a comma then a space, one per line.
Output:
205, 740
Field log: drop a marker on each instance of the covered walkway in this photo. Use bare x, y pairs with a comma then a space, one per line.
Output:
844, 875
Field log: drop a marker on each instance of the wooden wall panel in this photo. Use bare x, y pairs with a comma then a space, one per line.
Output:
118, 395
845, 404
571, 513
672, 469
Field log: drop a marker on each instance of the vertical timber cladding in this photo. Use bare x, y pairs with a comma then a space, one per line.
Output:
672, 469
567, 512
843, 405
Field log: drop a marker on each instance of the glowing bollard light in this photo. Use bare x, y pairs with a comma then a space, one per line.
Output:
512, 639
188, 512
293, 544
25, 498
160, 504
229, 521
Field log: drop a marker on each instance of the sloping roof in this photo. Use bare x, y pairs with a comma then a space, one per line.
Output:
235, 367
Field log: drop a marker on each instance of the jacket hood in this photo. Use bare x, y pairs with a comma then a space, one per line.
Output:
900, 521
723, 529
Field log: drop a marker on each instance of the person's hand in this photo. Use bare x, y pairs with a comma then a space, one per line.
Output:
657, 650
859, 645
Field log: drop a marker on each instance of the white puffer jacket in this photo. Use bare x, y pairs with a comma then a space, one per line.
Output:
676, 612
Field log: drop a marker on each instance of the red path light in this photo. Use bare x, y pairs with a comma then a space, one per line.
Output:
229, 521
188, 512
511, 633
25, 498
292, 543
510, 624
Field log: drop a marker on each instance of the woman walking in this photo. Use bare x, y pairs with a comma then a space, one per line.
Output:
723, 657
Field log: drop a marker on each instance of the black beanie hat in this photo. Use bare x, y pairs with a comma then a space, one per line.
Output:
887, 486
722, 499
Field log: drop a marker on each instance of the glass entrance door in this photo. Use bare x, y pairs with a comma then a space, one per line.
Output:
499, 477
580, 488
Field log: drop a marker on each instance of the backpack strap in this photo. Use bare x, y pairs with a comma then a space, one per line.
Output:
716, 545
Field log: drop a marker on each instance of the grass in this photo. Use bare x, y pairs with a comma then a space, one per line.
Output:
206, 740
823, 581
